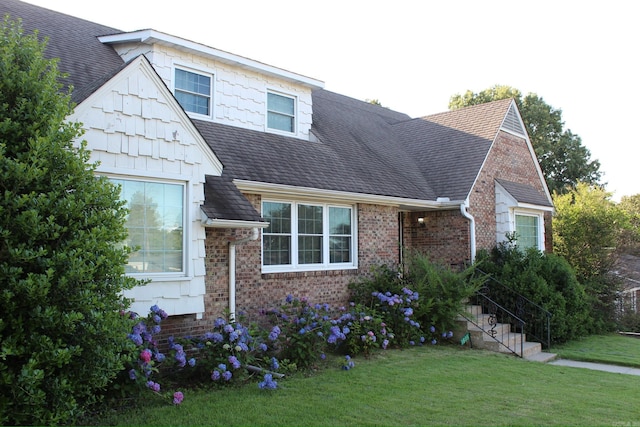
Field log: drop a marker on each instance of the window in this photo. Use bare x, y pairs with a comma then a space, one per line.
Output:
155, 225
527, 231
193, 91
281, 112
307, 236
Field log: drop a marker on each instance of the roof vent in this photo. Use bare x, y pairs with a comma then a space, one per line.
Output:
512, 122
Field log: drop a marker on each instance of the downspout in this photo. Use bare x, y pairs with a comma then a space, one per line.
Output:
472, 230
232, 270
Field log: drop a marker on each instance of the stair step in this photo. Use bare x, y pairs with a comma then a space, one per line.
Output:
503, 341
542, 357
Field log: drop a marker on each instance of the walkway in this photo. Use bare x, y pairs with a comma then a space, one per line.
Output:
596, 366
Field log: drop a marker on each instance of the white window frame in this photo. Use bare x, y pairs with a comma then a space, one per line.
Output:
294, 117
166, 275
326, 264
540, 220
202, 72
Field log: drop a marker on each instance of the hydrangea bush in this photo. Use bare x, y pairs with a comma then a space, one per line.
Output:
296, 335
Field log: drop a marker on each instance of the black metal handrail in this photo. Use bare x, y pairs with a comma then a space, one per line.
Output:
536, 318
499, 323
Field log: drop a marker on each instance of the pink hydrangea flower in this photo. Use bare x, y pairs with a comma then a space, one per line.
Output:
177, 397
145, 355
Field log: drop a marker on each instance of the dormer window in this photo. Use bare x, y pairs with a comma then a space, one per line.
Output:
281, 112
193, 91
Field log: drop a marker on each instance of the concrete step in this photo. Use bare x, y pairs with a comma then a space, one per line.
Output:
542, 357
503, 341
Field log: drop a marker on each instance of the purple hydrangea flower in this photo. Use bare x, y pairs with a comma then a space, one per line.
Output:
177, 397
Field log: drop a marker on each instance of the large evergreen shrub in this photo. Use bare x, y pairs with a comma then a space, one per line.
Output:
61, 265
547, 280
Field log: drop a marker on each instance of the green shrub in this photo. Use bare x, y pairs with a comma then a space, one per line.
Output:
61, 269
435, 294
545, 279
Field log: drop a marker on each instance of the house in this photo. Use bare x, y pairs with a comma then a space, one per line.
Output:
247, 182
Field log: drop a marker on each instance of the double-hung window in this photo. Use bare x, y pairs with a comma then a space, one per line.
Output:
155, 225
193, 91
527, 231
281, 112
307, 236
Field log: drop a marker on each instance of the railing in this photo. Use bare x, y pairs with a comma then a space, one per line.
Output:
536, 320
509, 333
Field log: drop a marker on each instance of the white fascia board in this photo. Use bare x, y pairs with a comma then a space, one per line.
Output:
282, 190
228, 223
152, 36
535, 207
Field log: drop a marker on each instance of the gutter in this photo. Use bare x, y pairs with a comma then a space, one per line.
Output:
472, 230
232, 270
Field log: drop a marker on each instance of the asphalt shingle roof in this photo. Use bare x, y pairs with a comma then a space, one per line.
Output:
358, 147
73, 40
524, 193
224, 201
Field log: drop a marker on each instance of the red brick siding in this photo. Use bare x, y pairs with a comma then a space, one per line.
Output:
509, 159
378, 244
444, 237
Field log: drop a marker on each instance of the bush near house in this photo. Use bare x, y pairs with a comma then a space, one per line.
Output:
62, 335
544, 278
440, 292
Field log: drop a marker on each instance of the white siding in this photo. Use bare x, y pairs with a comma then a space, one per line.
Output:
240, 94
134, 129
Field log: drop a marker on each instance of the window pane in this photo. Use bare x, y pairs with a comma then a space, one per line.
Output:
339, 249
280, 112
276, 238
193, 103
309, 219
527, 231
339, 221
155, 226
278, 215
193, 91
192, 82
310, 249
280, 122
280, 104
276, 250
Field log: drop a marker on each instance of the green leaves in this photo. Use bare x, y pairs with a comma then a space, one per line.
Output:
61, 262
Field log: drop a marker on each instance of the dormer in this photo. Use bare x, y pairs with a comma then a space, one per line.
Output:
211, 84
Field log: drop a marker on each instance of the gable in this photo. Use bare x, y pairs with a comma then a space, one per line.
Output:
513, 122
134, 114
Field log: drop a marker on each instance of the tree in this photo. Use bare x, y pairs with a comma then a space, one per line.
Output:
630, 239
562, 157
586, 229
62, 333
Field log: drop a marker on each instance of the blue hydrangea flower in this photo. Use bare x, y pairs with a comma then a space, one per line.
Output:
268, 383
262, 347
215, 375
274, 364
192, 362
226, 375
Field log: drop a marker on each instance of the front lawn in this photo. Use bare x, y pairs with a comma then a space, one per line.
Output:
611, 348
430, 385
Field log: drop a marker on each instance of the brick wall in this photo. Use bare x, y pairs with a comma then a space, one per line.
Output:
509, 159
444, 236
378, 244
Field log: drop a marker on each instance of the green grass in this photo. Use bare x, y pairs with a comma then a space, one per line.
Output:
428, 385
614, 349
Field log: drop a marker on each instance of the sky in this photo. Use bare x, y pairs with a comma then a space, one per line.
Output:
580, 57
